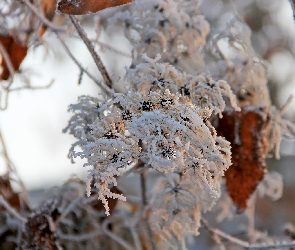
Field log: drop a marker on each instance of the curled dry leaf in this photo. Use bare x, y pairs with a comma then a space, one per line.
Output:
246, 130
84, 7
16, 53
48, 9
13, 199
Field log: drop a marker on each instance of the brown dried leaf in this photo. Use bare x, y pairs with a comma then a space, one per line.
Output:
48, 9
16, 53
84, 7
246, 130
14, 199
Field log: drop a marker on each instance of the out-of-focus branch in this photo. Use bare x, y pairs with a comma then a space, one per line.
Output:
11, 168
286, 105
41, 17
112, 49
218, 233
11, 210
82, 69
116, 238
95, 56
7, 62
144, 204
273, 246
33, 87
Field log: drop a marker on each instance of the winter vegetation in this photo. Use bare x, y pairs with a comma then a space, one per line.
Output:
171, 148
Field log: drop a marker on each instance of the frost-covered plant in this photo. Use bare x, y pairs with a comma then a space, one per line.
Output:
175, 29
183, 76
161, 124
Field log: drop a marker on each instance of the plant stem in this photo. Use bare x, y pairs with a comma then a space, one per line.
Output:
144, 204
95, 56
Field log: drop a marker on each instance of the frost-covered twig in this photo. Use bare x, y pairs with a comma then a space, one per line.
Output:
82, 69
273, 246
219, 233
95, 56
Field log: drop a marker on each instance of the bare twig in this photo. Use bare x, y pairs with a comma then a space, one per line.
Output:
242, 243
144, 200
7, 60
286, 105
11, 168
112, 49
41, 17
273, 246
5, 155
80, 237
143, 189
5, 102
80, 77
99, 83
95, 56
216, 232
116, 238
11, 210
215, 237
33, 88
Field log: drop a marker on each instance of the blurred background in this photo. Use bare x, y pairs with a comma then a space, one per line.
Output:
33, 122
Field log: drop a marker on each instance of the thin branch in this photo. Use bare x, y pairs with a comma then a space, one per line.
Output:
11, 168
39, 14
112, 49
144, 200
5, 103
70, 208
80, 77
80, 237
224, 235
99, 83
242, 243
286, 105
214, 236
143, 189
33, 88
273, 246
95, 56
7, 60
11, 210
122, 242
